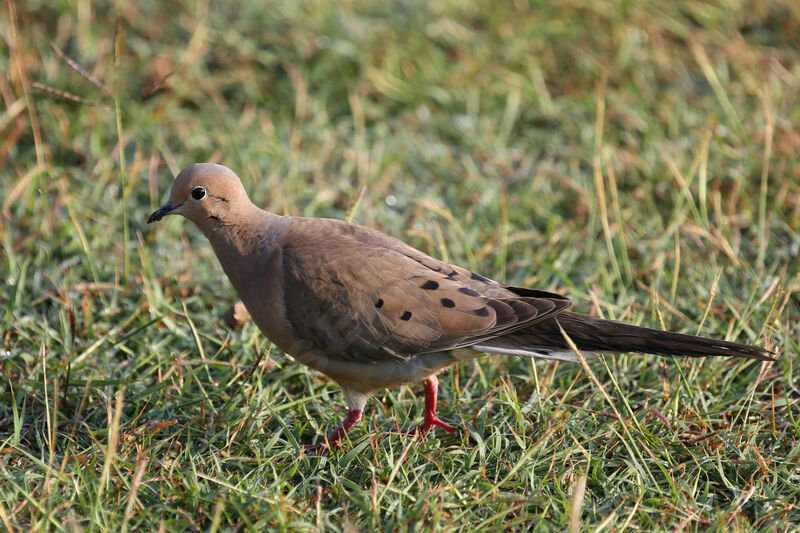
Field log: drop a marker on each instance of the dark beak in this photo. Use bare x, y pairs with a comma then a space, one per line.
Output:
162, 211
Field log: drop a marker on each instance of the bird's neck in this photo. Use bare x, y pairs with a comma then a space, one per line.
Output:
253, 233
250, 253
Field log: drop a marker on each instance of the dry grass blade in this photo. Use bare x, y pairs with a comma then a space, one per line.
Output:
19, 68
136, 482
11, 112
80, 70
149, 90
69, 96
576, 503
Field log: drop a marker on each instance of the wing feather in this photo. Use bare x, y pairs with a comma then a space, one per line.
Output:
355, 299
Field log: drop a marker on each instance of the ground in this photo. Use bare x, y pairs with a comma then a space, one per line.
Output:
639, 157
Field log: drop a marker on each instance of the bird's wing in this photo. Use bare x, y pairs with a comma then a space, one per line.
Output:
355, 300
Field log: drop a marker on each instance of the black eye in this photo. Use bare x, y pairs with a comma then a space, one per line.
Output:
198, 193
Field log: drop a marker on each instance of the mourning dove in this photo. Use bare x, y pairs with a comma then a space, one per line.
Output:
372, 312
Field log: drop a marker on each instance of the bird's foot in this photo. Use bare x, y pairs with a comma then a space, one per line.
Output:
335, 438
431, 420
429, 424
315, 448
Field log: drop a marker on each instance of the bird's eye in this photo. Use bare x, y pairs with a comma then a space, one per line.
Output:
198, 193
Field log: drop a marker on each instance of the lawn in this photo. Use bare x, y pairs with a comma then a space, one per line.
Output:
639, 157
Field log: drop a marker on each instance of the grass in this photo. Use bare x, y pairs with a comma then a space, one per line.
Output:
641, 157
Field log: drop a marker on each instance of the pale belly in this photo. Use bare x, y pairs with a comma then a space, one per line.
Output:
370, 377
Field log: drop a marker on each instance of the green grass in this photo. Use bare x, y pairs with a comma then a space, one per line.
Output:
641, 157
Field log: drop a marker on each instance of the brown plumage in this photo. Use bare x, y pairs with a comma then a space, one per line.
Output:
372, 312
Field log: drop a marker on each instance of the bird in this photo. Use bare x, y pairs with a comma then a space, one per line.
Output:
372, 313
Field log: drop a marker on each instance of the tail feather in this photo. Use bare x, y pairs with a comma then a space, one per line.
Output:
590, 334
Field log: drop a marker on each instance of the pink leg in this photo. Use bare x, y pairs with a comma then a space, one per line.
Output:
431, 420
352, 418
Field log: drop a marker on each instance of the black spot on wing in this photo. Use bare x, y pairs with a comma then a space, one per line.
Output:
430, 285
478, 277
468, 292
406, 315
379, 303
447, 302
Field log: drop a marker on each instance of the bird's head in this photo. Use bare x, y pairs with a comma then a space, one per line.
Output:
207, 194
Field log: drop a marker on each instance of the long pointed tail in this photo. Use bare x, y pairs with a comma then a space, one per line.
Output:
590, 334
